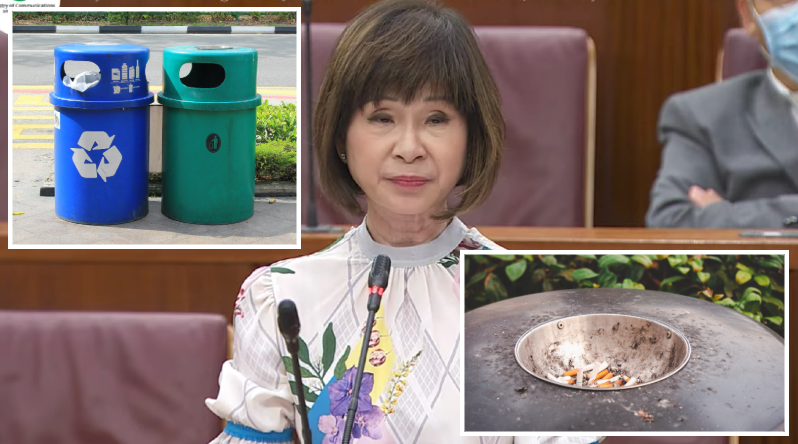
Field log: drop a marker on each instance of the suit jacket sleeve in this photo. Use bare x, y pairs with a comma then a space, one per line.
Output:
688, 159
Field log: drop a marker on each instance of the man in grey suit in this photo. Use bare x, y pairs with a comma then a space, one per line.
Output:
730, 157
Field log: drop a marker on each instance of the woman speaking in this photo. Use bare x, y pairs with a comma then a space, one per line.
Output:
407, 114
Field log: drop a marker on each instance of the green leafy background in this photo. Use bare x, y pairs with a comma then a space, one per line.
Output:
750, 284
275, 152
276, 122
276, 160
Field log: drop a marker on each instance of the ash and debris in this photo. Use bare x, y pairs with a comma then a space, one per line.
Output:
646, 417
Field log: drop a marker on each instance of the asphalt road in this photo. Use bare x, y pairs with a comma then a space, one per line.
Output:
277, 54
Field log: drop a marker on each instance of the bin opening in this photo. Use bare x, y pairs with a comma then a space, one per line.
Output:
202, 75
639, 348
80, 75
72, 68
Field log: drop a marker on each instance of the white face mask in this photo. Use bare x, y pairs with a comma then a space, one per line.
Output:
780, 29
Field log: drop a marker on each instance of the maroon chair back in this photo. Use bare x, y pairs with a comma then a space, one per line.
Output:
543, 76
109, 378
741, 54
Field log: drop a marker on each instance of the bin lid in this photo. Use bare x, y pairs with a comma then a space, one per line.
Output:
122, 81
210, 77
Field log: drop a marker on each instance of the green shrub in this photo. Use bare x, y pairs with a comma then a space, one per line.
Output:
276, 160
276, 122
750, 284
285, 15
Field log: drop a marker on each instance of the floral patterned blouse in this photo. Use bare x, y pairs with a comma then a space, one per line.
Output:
410, 391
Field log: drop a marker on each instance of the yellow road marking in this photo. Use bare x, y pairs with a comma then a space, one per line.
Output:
17, 131
33, 117
33, 145
33, 108
31, 99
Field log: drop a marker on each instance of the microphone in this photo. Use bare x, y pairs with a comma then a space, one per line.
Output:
307, 94
378, 280
288, 322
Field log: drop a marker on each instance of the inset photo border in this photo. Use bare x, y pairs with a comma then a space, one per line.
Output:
676, 337
161, 183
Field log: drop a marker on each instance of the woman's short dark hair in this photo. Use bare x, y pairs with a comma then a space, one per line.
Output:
396, 48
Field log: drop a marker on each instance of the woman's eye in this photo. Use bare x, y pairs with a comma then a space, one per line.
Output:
438, 119
380, 118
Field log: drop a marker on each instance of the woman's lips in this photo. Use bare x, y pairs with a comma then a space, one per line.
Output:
409, 181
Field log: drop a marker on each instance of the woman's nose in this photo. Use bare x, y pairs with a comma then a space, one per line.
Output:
409, 146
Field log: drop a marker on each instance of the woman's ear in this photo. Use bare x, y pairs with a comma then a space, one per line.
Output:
747, 19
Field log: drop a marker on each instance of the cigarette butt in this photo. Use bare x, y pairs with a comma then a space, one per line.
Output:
601, 374
550, 376
596, 369
618, 383
632, 381
579, 377
272, 201
625, 379
607, 376
572, 381
570, 373
605, 385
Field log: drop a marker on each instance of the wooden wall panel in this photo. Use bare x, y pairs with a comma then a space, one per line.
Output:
646, 51
122, 286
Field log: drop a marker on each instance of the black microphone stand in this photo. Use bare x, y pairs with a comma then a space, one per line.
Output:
378, 282
373, 306
289, 328
313, 223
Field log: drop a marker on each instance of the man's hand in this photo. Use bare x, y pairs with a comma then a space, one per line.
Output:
701, 197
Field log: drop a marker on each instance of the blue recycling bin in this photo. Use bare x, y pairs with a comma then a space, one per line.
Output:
101, 134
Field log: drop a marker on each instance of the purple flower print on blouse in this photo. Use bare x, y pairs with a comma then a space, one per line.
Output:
333, 429
341, 392
368, 423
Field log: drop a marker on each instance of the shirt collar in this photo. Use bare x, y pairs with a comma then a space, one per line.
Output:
417, 255
783, 90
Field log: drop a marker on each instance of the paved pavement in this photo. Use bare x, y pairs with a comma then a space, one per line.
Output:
276, 54
273, 224
32, 154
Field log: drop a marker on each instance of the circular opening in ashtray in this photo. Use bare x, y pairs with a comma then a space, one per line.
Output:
632, 346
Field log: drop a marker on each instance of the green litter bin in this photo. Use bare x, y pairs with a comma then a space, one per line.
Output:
209, 133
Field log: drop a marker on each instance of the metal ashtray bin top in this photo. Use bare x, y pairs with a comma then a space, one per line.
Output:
209, 122
645, 349
707, 388
101, 125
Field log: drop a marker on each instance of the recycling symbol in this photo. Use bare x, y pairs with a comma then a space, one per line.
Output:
96, 140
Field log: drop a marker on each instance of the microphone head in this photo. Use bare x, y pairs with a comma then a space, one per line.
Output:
380, 270
288, 319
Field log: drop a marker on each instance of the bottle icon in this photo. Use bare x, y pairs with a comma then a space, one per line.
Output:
137, 69
124, 71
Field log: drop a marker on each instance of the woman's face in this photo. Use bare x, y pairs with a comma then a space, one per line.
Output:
407, 158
